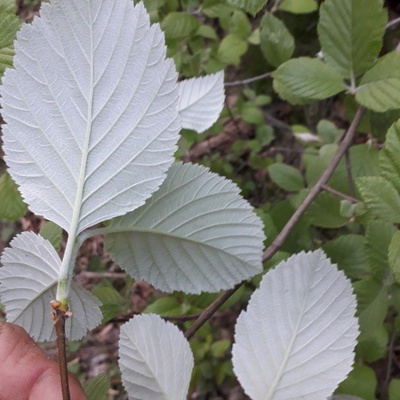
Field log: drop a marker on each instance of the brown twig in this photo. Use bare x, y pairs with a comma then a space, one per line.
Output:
59, 316
208, 312
344, 145
249, 80
279, 240
339, 194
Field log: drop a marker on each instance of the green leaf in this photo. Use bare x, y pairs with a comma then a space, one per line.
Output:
373, 304
12, 207
53, 233
378, 236
251, 114
328, 132
394, 389
347, 251
324, 212
299, 6
351, 34
304, 79
276, 42
250, 6
286, 177
113, 303
9, 6
381, 197
379, 89
231, 49
394, 256
389, 161
361, 382
364, 160
9, 25
97, 388
178, 25
240, 24
165, 307
374, 346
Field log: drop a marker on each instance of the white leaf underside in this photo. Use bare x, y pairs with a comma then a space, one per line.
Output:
28, 285
196, 233
91, 111
155, 359
297, 337
201, 101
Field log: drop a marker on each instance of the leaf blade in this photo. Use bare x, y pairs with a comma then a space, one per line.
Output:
290, 312
201, 101
379, 87
195, 226
31, 264
154, 366
95, 112
351, 34
304, 79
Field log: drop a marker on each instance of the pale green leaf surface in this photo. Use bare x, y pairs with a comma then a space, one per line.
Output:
394, 255
178, 24
373, 346
251, 6
372, 305
195, 234
381, 197
231, 49
380, 86
201, 101
276, 42
53, 233
286, 177
389, 161
324, 212
9, 25
394, 389
350, 33
28, 283
304, 79
378, 236
97, 388
110, 128
8, 5
297, 336
298, 6
361, 382
344, 397
347, 251
155, 359
12, 206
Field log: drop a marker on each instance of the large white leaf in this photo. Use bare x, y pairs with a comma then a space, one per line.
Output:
297, 337
28, 284
155, 359
201, 101
91, 111
196, 233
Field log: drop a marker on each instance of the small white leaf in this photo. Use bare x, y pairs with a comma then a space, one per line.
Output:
28, 284
297, 337
196, 233
91, 111
155, 359
201, 101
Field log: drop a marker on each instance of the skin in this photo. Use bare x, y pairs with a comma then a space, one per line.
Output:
26, 373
